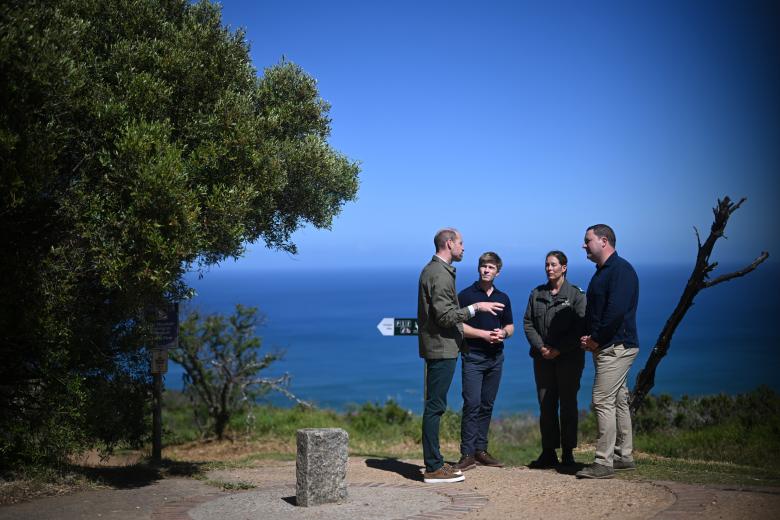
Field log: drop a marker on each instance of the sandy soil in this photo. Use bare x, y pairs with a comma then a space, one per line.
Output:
524, 493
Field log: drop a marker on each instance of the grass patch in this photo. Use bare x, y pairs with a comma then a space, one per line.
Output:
728, 440
654, 467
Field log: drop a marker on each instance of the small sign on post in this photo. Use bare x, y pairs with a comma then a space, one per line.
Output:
166, 336
398, 327
166, 327
159, 361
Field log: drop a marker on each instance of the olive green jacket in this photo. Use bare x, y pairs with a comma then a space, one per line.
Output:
557, 321
438, 315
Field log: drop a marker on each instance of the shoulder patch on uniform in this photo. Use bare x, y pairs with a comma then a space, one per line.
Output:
583, 292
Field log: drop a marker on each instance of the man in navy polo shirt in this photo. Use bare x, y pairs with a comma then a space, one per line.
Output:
610, 318
482, 363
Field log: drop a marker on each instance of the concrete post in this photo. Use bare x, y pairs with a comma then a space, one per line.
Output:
321, 466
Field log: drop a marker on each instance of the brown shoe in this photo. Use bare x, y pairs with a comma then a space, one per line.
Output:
484, 458
466, 462
453, 468
443, 475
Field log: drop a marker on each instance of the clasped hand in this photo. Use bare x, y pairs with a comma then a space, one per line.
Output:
495, 335
586, 343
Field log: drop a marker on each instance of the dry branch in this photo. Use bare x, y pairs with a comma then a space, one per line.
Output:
697, 281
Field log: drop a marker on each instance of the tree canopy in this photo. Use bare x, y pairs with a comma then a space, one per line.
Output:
137, 141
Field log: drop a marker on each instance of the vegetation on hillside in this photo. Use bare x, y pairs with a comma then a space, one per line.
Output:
708, 439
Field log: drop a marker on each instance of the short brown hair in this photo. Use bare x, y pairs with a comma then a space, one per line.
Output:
490, 258
603, 231
442, 235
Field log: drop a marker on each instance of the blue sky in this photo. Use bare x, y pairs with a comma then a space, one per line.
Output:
522, 123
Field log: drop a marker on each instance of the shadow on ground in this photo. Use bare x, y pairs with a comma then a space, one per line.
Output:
570, 470
137, 475
405, 469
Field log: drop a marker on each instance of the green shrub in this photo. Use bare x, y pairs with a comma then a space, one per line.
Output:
371, 417
664, 414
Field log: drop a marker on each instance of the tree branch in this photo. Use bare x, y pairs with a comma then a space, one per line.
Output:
736, 274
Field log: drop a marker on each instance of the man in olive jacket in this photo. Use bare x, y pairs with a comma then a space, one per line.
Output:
441, 338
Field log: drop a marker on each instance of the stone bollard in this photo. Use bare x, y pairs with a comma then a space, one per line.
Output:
321, 466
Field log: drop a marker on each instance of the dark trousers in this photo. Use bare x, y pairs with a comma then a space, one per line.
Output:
481, 376
438, 378
557, 381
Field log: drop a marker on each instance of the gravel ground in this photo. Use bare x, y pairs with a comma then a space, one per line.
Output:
511, 492
387, 488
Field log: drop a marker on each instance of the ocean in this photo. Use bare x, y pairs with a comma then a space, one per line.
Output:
326, 323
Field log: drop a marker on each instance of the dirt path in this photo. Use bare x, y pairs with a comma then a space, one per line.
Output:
388, 488
524, 493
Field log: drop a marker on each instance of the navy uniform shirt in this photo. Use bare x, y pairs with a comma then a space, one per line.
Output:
485, 320
613, 296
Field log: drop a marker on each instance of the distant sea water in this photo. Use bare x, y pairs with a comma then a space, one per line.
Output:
326, 322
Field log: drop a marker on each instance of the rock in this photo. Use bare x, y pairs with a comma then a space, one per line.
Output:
321, 466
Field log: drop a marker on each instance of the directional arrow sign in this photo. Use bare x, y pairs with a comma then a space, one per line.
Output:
398, 326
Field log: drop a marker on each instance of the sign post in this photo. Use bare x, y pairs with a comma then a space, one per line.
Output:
166, 335
398, 327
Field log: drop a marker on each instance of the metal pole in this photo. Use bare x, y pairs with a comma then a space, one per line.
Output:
157, 419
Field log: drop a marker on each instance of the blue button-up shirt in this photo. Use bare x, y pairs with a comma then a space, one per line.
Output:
613, 296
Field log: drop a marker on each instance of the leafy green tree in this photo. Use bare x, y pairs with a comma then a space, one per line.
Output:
137, 142
222, 362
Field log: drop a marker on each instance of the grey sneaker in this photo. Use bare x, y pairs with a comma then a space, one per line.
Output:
596, 471
442, 475
466, 463
623, 465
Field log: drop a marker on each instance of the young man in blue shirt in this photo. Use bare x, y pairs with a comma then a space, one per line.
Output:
482, 362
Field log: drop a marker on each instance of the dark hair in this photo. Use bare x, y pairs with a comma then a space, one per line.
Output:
440, 240
603, 231
560, 255
490, 258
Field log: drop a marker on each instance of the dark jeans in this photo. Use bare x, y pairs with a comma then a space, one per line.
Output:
439, 374
481, 377
558, 380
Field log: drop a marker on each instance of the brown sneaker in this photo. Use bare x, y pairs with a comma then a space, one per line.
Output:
453, 468
443, 475
466, 462
484, 458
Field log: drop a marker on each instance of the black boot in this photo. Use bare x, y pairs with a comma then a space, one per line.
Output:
548, 459
567, 458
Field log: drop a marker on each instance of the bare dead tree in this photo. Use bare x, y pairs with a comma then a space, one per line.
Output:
700, 279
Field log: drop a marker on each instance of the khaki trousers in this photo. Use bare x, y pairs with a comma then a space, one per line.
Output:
610, 401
